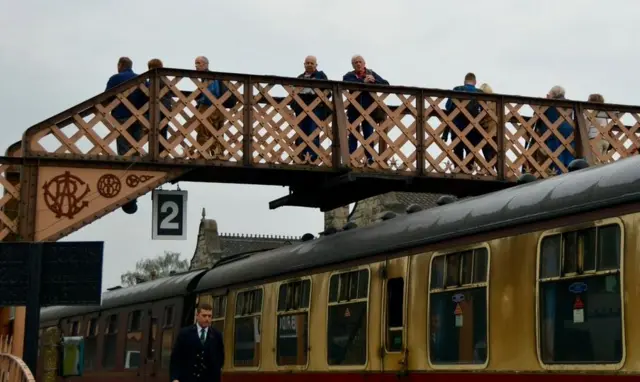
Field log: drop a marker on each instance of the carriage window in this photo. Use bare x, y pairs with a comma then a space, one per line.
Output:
580, 297
167, 320
293, 323
458, 308
91, 344
219, 312
247, 328
347, 325
395, 313
75, 328
133, 345
167, 338
110, 342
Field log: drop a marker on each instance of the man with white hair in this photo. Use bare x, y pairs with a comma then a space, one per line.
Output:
362, 74
308, 96
216, 118
556, 92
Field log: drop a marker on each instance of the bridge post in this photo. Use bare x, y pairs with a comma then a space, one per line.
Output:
247, 125
27, 209
339, 147
581, 135
500, 141
154, 115
420, 127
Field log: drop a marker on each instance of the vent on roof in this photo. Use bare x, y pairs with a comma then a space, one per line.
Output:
329, 231
349, 225
446, 199
307, 237
526, 178
413, 208
577, 164
388, 215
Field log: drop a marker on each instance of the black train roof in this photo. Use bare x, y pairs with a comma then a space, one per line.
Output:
580, 191
158, 289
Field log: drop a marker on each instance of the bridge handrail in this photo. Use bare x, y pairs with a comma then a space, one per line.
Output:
421, 103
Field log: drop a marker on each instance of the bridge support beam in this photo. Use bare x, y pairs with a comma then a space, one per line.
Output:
351, 187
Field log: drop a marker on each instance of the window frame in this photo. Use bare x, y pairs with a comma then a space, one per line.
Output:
172, 328
96, 335
328, 304
385, 318
487, 284
577, 227
223, 318
278, 314
261, 327
118, 333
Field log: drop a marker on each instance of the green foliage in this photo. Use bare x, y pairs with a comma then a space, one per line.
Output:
154, 268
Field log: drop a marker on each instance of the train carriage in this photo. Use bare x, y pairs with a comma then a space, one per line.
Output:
536, 281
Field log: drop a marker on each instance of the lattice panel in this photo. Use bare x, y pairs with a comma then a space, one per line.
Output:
94, 131
212, 131
381, 130
8, 204
617, 135
457, 142
291, 125
538, 139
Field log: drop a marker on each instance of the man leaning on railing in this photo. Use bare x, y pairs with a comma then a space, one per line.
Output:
362, 74
308, 96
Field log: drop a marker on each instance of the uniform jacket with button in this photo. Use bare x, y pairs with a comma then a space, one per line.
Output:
191, 361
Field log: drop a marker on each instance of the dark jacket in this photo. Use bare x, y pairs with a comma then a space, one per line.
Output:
137, 98
460, 120
308, 98
364, 99
193, 362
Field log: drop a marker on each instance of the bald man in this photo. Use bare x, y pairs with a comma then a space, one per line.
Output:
308, 96
362, 74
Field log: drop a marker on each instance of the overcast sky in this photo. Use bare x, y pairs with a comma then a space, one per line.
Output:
55, 54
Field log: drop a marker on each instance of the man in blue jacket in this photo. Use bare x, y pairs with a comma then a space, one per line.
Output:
308, 96
121, 113
361, 74
461, 121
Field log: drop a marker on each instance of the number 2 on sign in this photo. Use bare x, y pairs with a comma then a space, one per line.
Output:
167, 223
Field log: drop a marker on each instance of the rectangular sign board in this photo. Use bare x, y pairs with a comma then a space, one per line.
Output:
169, 220
71, 273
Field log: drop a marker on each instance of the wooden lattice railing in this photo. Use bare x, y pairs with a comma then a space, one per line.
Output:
12, 368
310, 124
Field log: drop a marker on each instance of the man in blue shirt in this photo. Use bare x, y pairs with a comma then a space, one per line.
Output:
121, 113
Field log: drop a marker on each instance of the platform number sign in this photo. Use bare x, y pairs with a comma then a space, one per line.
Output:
169, 215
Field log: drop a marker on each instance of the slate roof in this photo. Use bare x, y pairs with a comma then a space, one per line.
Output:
399, 201
237, 243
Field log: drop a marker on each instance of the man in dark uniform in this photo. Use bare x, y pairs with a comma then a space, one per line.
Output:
198, 354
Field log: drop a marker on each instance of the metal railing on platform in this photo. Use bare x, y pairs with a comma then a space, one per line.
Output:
12, 368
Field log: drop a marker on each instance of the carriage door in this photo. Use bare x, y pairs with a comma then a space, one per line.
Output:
394, 315
151, 358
